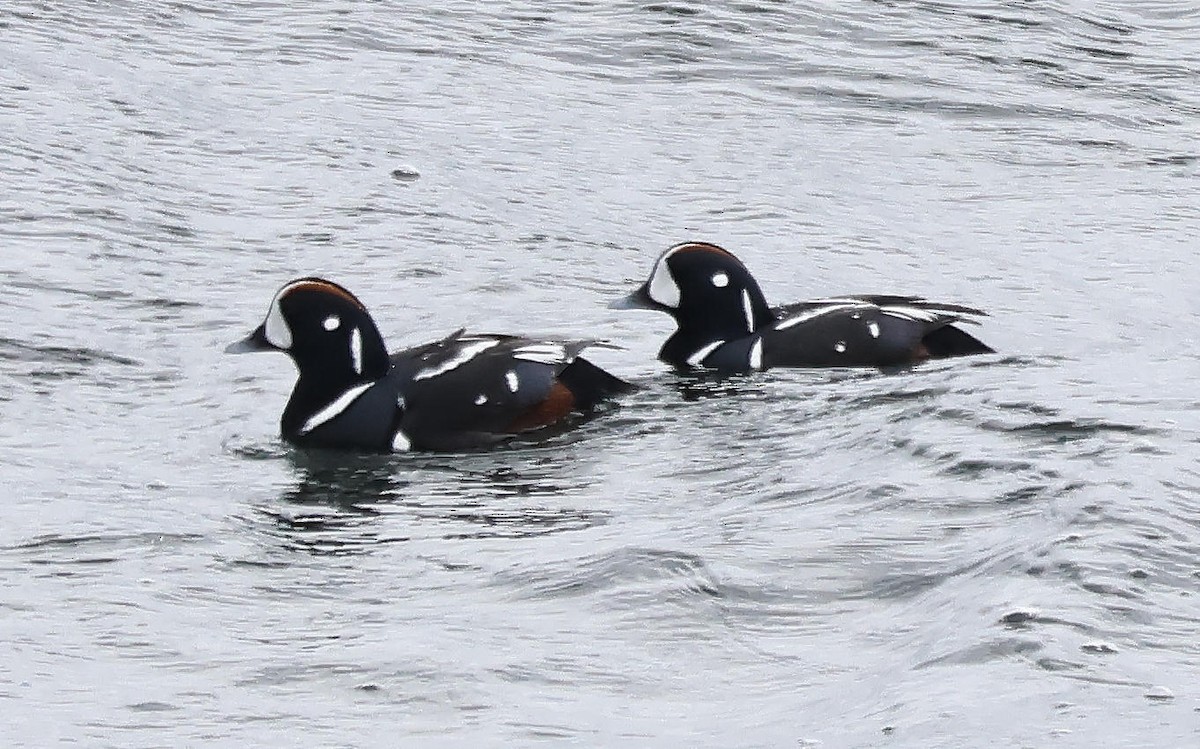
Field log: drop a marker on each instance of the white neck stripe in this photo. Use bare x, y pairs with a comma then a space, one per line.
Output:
339, 404
695, 359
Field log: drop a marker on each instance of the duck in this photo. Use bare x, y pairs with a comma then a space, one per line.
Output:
465, 391
723, 321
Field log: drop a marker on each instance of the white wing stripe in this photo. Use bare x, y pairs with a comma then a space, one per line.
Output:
541, 353
917, 313
466, 354
813, 314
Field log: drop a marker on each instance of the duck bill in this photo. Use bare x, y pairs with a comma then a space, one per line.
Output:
256, 341
639, 299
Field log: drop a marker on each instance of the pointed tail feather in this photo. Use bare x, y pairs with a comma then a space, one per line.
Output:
952, 341
591, 384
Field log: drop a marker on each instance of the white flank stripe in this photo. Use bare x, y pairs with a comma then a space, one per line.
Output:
341, 403
356, 349
874, 328
465, 355
541, 353
695, 359
813, 314
514, 383
756, 355
748, 308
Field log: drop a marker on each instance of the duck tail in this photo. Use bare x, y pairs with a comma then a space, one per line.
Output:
590, 384
950, 340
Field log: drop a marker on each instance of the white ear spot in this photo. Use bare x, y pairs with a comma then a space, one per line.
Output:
356, 349
720, 279
331, 323
840, 347
480, 399
873, 327
514, 383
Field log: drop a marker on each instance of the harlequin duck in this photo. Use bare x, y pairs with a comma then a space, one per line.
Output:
462, 392
724, 322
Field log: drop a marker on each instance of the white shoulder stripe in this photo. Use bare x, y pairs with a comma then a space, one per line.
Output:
813, 314
756, 354
339, 404
401, 442
695, 359
466, 354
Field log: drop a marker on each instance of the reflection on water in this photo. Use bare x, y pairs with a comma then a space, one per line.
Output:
994, 551
337, 499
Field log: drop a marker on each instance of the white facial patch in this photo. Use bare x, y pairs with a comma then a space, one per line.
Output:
720, 279
748, 308
662, 287
873, 328
331, 323
276, 329
481, 399
840, 347
513, 382
356, 350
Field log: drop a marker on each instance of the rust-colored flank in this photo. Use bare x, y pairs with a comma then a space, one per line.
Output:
559, 402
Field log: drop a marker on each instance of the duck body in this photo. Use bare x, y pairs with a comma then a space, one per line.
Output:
465, 391
724, 322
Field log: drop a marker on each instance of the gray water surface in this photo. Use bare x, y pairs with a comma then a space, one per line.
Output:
1000, 551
